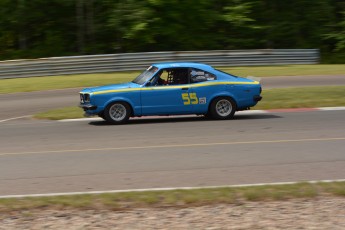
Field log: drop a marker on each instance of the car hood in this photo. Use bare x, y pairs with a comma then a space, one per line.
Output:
110, 87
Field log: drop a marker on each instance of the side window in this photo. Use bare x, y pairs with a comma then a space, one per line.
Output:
178, 76
164, 77
173, 76
197, 75
161, 78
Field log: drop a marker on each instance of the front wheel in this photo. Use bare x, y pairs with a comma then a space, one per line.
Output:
222, 108
117, 113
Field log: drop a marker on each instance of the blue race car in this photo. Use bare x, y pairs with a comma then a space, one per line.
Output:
172, 89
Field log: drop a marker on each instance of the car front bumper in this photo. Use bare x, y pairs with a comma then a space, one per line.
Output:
87, 107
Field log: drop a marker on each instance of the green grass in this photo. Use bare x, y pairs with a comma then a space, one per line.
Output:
62, 82
61, 113
287, 70
307, 97
176, 198
86, 80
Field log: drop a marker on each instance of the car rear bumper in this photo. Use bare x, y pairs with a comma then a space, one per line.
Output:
257, 98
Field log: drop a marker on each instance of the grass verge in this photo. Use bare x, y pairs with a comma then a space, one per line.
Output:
303, 97
61, 82
306, 97
61, 113
287, 70
176, 198
87, 80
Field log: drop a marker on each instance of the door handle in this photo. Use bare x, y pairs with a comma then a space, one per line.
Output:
185, 88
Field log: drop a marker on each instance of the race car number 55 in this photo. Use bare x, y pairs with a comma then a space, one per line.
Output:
190, 98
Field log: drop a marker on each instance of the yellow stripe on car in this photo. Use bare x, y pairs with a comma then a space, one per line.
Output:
175, 87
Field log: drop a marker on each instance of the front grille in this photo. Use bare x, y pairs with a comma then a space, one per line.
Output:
87, 97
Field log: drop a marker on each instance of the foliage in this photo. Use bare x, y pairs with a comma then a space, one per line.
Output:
338, 35
40, 28
178, 198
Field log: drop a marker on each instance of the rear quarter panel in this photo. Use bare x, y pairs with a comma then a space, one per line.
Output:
245, 95
242, 94
206, 94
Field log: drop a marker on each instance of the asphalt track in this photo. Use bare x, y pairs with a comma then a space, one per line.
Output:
57, 157
54, 157
23, 104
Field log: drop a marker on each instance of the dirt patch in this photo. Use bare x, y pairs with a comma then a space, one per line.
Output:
318, 213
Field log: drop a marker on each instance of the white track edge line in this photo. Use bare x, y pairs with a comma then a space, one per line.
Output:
80, 119
332, 108
14, 118
251, 112
165, 189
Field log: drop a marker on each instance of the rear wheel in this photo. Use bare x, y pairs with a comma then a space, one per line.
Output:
117, 113
222, 108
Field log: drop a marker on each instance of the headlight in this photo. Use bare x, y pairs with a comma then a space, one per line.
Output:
84, 98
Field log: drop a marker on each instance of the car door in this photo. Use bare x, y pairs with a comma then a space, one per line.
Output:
171, 97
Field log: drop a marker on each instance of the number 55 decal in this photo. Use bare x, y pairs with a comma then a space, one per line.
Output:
190, 98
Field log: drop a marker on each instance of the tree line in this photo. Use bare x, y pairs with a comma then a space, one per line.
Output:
44, 28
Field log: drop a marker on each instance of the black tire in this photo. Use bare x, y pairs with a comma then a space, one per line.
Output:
101, 115
117, 113
222, 108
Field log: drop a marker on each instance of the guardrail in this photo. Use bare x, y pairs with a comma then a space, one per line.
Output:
138, 61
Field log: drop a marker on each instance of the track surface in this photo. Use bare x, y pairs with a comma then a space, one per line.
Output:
22, 104
51, 156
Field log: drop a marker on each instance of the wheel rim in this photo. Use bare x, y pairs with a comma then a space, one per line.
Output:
117, 112
223, 107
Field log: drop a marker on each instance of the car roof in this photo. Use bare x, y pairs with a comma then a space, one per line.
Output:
183, 64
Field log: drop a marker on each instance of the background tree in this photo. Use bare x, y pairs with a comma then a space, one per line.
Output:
41, 28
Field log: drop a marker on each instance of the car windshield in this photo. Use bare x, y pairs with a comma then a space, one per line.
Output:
146, 75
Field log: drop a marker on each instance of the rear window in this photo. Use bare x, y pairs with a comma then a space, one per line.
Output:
197, 75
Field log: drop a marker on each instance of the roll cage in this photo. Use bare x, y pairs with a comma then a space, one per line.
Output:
178, 76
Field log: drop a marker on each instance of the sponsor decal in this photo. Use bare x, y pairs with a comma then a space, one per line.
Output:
202, 100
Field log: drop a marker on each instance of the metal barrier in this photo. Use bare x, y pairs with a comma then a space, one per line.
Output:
138, 61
